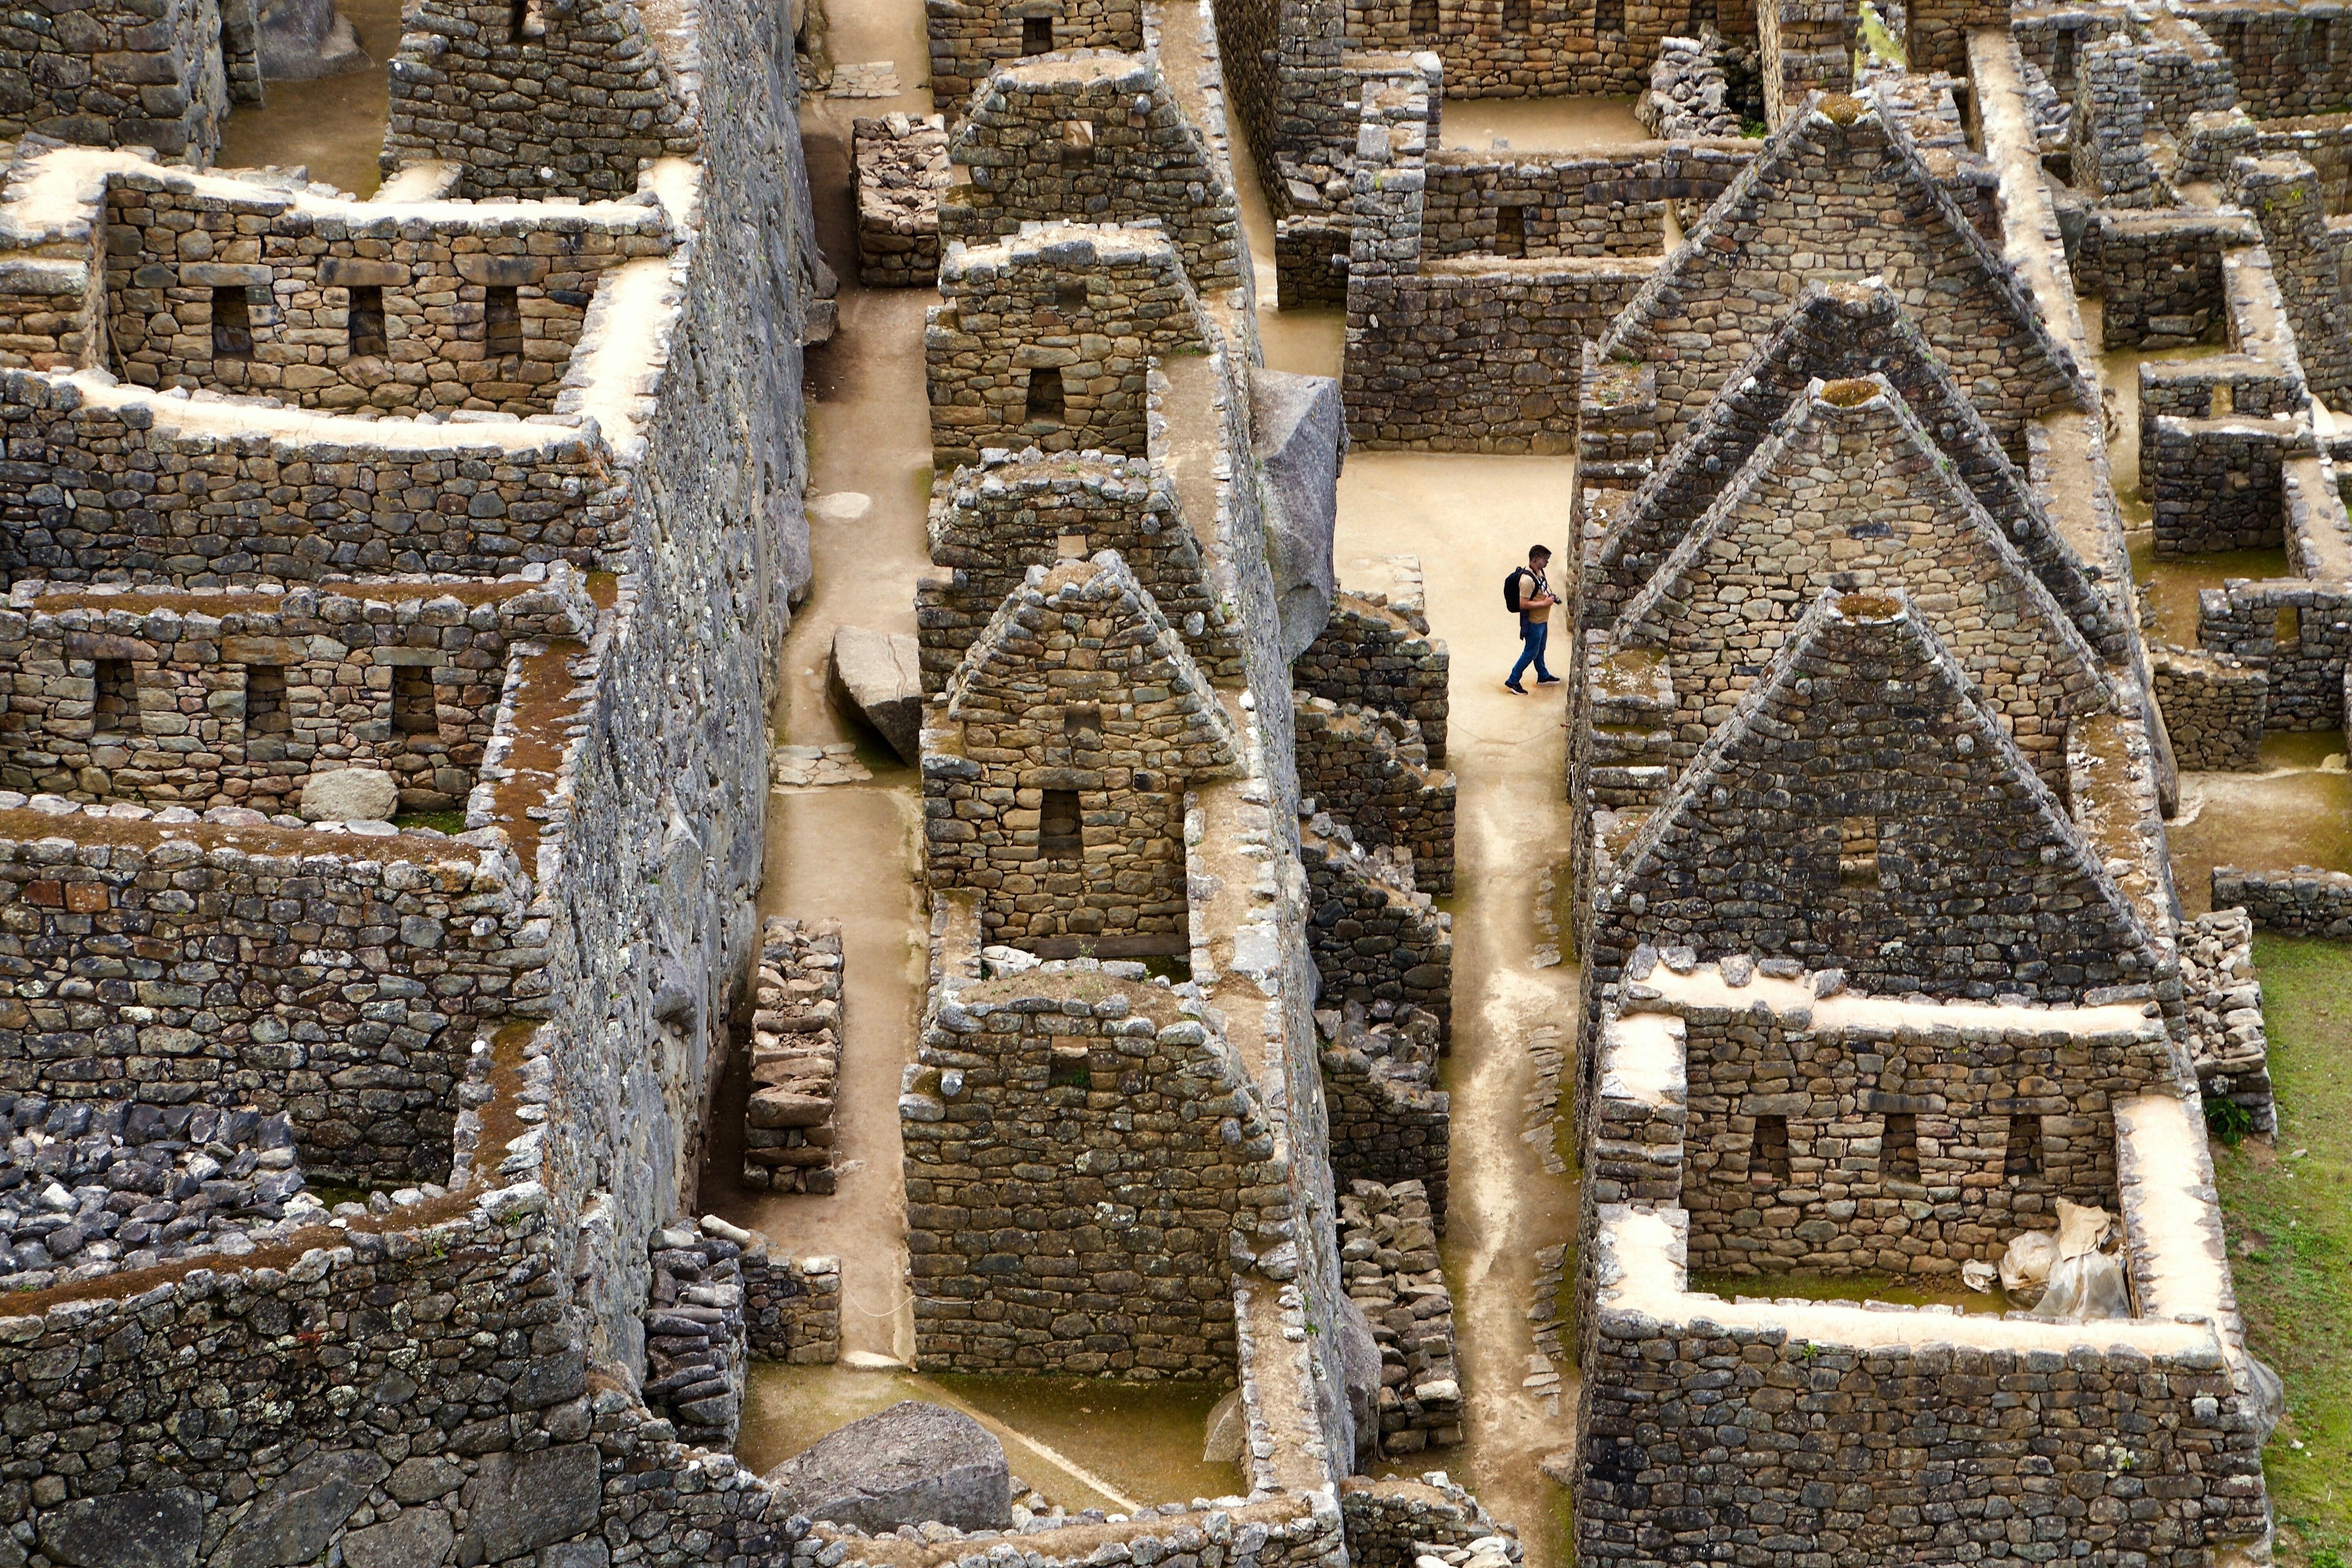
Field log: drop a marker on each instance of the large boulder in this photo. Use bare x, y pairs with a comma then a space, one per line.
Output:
301, 41
349, 794
879, 676
911, 1464
1301, 434
519, 1503
1360, 1354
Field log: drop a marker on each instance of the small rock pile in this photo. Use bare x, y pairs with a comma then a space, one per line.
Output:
2226, 1038
795, 1059
1688, 94
902, 168
1388, 1253
695, 1353
88, 1189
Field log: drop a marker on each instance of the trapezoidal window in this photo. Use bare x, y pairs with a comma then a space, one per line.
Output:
265, 712
365, 319
2287, 630
1059, 834
1510, 231
1517, 16
1082, 718
1071, 1067
1423, 21
525, 21
413, 710
232, 323
2023, 1157
1608, 19
1048, 399
115, 709
1036, 34
502, 320
1898, 1147
1767, 1153
1858, 852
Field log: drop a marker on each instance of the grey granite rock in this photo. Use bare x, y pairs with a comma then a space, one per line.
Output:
414, 1538
520, 1502
879, 676
911, 1464
294, 1520
1302, 439
126, 1530
349, 794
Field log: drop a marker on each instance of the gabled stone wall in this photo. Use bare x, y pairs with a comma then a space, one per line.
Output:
538, 98
1013, 511
1098, 138
1130, 1272
969, 38
1373, 653
1079, 700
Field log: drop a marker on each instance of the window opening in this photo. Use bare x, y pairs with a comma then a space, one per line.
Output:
1516, 15
1608, 17
1423, 19
1510, 231
1898, 1146
115, 708
1058, 825
1070, 1068
2288, 631
232, 323
525, 21
2025, 1158
366, 318
1858, 852
1047, 397
413, 710
265, 701
1768, 1158
502, 320
1036, 34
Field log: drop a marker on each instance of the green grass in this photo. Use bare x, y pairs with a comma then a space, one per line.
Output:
2290, 1224
449, 822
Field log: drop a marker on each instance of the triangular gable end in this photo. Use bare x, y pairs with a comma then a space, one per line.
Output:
1862, 809
1848, 184
1836, 332
1086, 633
1847, 466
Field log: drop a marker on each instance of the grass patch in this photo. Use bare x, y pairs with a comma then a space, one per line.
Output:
452, 823
2290, 1225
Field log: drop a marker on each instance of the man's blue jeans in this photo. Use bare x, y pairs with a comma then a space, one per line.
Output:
1532, 634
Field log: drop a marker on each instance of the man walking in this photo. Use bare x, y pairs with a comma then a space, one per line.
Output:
1526, 591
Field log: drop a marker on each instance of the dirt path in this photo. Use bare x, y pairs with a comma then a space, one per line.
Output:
853, 852
1470, 520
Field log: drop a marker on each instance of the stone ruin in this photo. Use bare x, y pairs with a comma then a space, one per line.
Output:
395, 593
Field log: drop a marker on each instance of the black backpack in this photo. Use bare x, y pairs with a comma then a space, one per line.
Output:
1511, 589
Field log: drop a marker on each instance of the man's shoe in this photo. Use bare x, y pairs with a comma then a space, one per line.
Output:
1515, 690
1547, 680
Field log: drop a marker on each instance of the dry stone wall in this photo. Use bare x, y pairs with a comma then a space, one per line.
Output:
1013, 511
1376, 939
2299, 631
1846, 174
218, 700
795, 1046
126, 74
969, 38
1377, 653
1055, 783
2287, 59
1840, 1193
2213, 708
792, 1306
1099, 137
696, 1353
2229, 1042
1545, 50
898, 167
1095, 1251
1045, 340
341, 988
546, 98
1388, 1251
1371, 771
2303, 901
